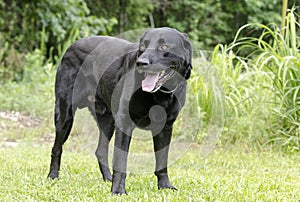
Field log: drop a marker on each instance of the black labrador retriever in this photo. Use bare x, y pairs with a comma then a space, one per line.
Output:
124, 85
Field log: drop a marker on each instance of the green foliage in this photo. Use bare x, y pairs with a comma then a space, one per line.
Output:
250, 86
59, 21
278, 56
203, 21
208, 22
11, 62
263, 10
233, 93
246, 98
204, 108
212, 22
261, 84
132, 14
138, 12
47, 25
57, 17
34, 94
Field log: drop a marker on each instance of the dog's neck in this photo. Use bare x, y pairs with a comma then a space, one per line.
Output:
167, 90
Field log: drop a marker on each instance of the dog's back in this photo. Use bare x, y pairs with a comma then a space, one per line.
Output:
84, 64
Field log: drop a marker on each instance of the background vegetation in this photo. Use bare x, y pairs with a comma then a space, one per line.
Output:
246, 80
241, 41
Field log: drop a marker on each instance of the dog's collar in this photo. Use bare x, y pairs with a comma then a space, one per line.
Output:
169, 91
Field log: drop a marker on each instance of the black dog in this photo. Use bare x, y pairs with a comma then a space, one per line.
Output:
125, 85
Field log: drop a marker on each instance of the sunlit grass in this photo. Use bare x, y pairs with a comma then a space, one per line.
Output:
226, 175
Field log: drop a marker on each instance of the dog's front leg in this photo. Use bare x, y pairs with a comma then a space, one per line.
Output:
122, 141
161, 147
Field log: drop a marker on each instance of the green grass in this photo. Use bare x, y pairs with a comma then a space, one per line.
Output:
225, 175
231, 173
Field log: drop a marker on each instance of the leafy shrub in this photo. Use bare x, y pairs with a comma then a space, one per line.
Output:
34, 94
26, 21
231, 94
11, 61
281, 60
46, 25
262, 88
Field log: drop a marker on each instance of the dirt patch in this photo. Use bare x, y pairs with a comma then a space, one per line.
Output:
17, 120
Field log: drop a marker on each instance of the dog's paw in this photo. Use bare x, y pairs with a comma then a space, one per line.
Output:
167, 186
53, 175
107, 178
119, 192
106, 174
164, 182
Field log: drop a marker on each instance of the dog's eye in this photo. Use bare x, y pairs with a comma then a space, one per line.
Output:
164, 47
142, 47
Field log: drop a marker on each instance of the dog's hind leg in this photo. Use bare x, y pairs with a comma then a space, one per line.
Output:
63, 124
106, 128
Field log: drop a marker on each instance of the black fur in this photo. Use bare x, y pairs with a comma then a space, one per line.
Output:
101, 73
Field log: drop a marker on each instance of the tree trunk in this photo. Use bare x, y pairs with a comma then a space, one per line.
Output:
122, 15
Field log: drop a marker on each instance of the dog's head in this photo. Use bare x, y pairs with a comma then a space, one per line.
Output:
162, 53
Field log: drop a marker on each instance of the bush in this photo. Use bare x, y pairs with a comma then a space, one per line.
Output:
261, 99
231, 93
34, 94
279, 57
44, 24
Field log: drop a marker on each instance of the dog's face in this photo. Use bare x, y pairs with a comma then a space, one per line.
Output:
162, 53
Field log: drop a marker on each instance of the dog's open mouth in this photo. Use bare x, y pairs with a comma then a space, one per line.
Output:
153, 81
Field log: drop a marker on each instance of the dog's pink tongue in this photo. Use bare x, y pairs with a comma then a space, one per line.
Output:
148, 84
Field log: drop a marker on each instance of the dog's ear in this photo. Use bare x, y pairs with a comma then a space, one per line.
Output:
188, 55
144, 34
186, 42
187, 73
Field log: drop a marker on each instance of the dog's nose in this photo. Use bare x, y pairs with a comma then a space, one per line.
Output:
142, 62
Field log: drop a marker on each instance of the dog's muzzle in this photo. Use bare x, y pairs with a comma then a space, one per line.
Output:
155, 76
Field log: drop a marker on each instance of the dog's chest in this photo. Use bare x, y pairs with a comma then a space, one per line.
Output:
142, 103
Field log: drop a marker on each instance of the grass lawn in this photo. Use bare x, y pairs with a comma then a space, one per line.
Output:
225, 175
